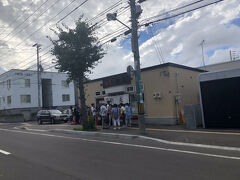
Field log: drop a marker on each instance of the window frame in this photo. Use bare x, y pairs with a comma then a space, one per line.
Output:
25, 98
64, 97
9, 100
27, 84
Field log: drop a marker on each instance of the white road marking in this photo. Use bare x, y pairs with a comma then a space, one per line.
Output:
37, 130
4, 152
225, 148
126, 144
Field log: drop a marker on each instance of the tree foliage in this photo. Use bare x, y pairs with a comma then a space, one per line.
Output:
77, 52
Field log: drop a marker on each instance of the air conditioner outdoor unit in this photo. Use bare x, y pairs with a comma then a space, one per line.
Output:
157, 95
154, 95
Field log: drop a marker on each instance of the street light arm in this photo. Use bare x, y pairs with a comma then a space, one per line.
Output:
123, 24
113, 17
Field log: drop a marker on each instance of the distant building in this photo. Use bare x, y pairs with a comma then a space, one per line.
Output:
19, 91
220, 97
222, 66
167, 88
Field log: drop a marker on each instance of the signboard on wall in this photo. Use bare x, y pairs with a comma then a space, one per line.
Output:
124, 98
116, 80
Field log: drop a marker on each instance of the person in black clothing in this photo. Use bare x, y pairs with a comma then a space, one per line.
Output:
76, 114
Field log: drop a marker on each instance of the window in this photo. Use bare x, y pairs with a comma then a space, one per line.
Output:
65, 84
25, 98
9, 100
27, 82
103, 92
98, 93
130, 89
2, 84
65, 97
9, 83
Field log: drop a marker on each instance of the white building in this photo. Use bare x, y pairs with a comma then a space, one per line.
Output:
19, 90
222, 66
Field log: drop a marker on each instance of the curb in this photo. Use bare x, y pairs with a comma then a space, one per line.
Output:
97, 134
140, 137
132, 137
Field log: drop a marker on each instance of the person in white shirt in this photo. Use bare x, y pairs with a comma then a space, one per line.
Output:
103, 114
115, 116
93, 109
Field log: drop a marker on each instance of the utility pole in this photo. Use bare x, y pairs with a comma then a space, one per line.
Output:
202, 43
135, 50
38, 74
231, 56
135, 13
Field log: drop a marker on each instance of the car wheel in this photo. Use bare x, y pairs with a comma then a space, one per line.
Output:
39, 121
53, 121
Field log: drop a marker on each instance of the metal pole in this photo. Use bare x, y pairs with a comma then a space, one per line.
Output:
231, 55
38, 76
135, 50
203, 54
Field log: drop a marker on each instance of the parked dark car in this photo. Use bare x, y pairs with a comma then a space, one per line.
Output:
51, 116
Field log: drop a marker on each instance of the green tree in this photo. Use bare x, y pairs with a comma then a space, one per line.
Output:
77, 52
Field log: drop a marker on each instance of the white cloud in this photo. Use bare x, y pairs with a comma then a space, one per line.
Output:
179, 42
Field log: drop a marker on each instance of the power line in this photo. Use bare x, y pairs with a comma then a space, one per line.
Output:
72, 11
46, 24
53, 18
35, 20
167, 15
115, 5
26, 19
61, 19
13, 21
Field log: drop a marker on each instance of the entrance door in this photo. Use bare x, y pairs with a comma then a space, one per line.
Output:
47, 93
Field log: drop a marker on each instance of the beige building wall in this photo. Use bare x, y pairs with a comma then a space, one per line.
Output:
184, 82
157, 80
169, 81
90, 91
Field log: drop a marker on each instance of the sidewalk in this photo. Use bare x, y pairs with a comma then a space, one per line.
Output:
177, 133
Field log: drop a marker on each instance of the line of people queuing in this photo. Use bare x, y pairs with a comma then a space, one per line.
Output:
75, 114
109, 114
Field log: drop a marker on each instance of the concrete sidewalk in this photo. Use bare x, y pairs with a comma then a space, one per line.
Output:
178, 133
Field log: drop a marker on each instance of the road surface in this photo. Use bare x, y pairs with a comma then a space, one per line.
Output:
41, 155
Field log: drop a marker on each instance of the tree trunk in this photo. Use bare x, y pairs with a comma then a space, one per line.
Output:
83, 103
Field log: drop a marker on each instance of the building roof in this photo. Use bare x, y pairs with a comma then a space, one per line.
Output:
28, 71
152, 68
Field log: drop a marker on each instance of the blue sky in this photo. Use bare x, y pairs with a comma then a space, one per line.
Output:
151, 31
236, 22
147, 33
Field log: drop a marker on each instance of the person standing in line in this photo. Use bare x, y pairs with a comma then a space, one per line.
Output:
93, 112
128, 115
123, 111
115, 116
71, 115
109, 116
103, 114
76, 115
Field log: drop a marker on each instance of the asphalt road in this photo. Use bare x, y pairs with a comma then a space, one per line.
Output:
41, 155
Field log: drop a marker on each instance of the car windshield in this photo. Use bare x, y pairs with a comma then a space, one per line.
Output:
55, 112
